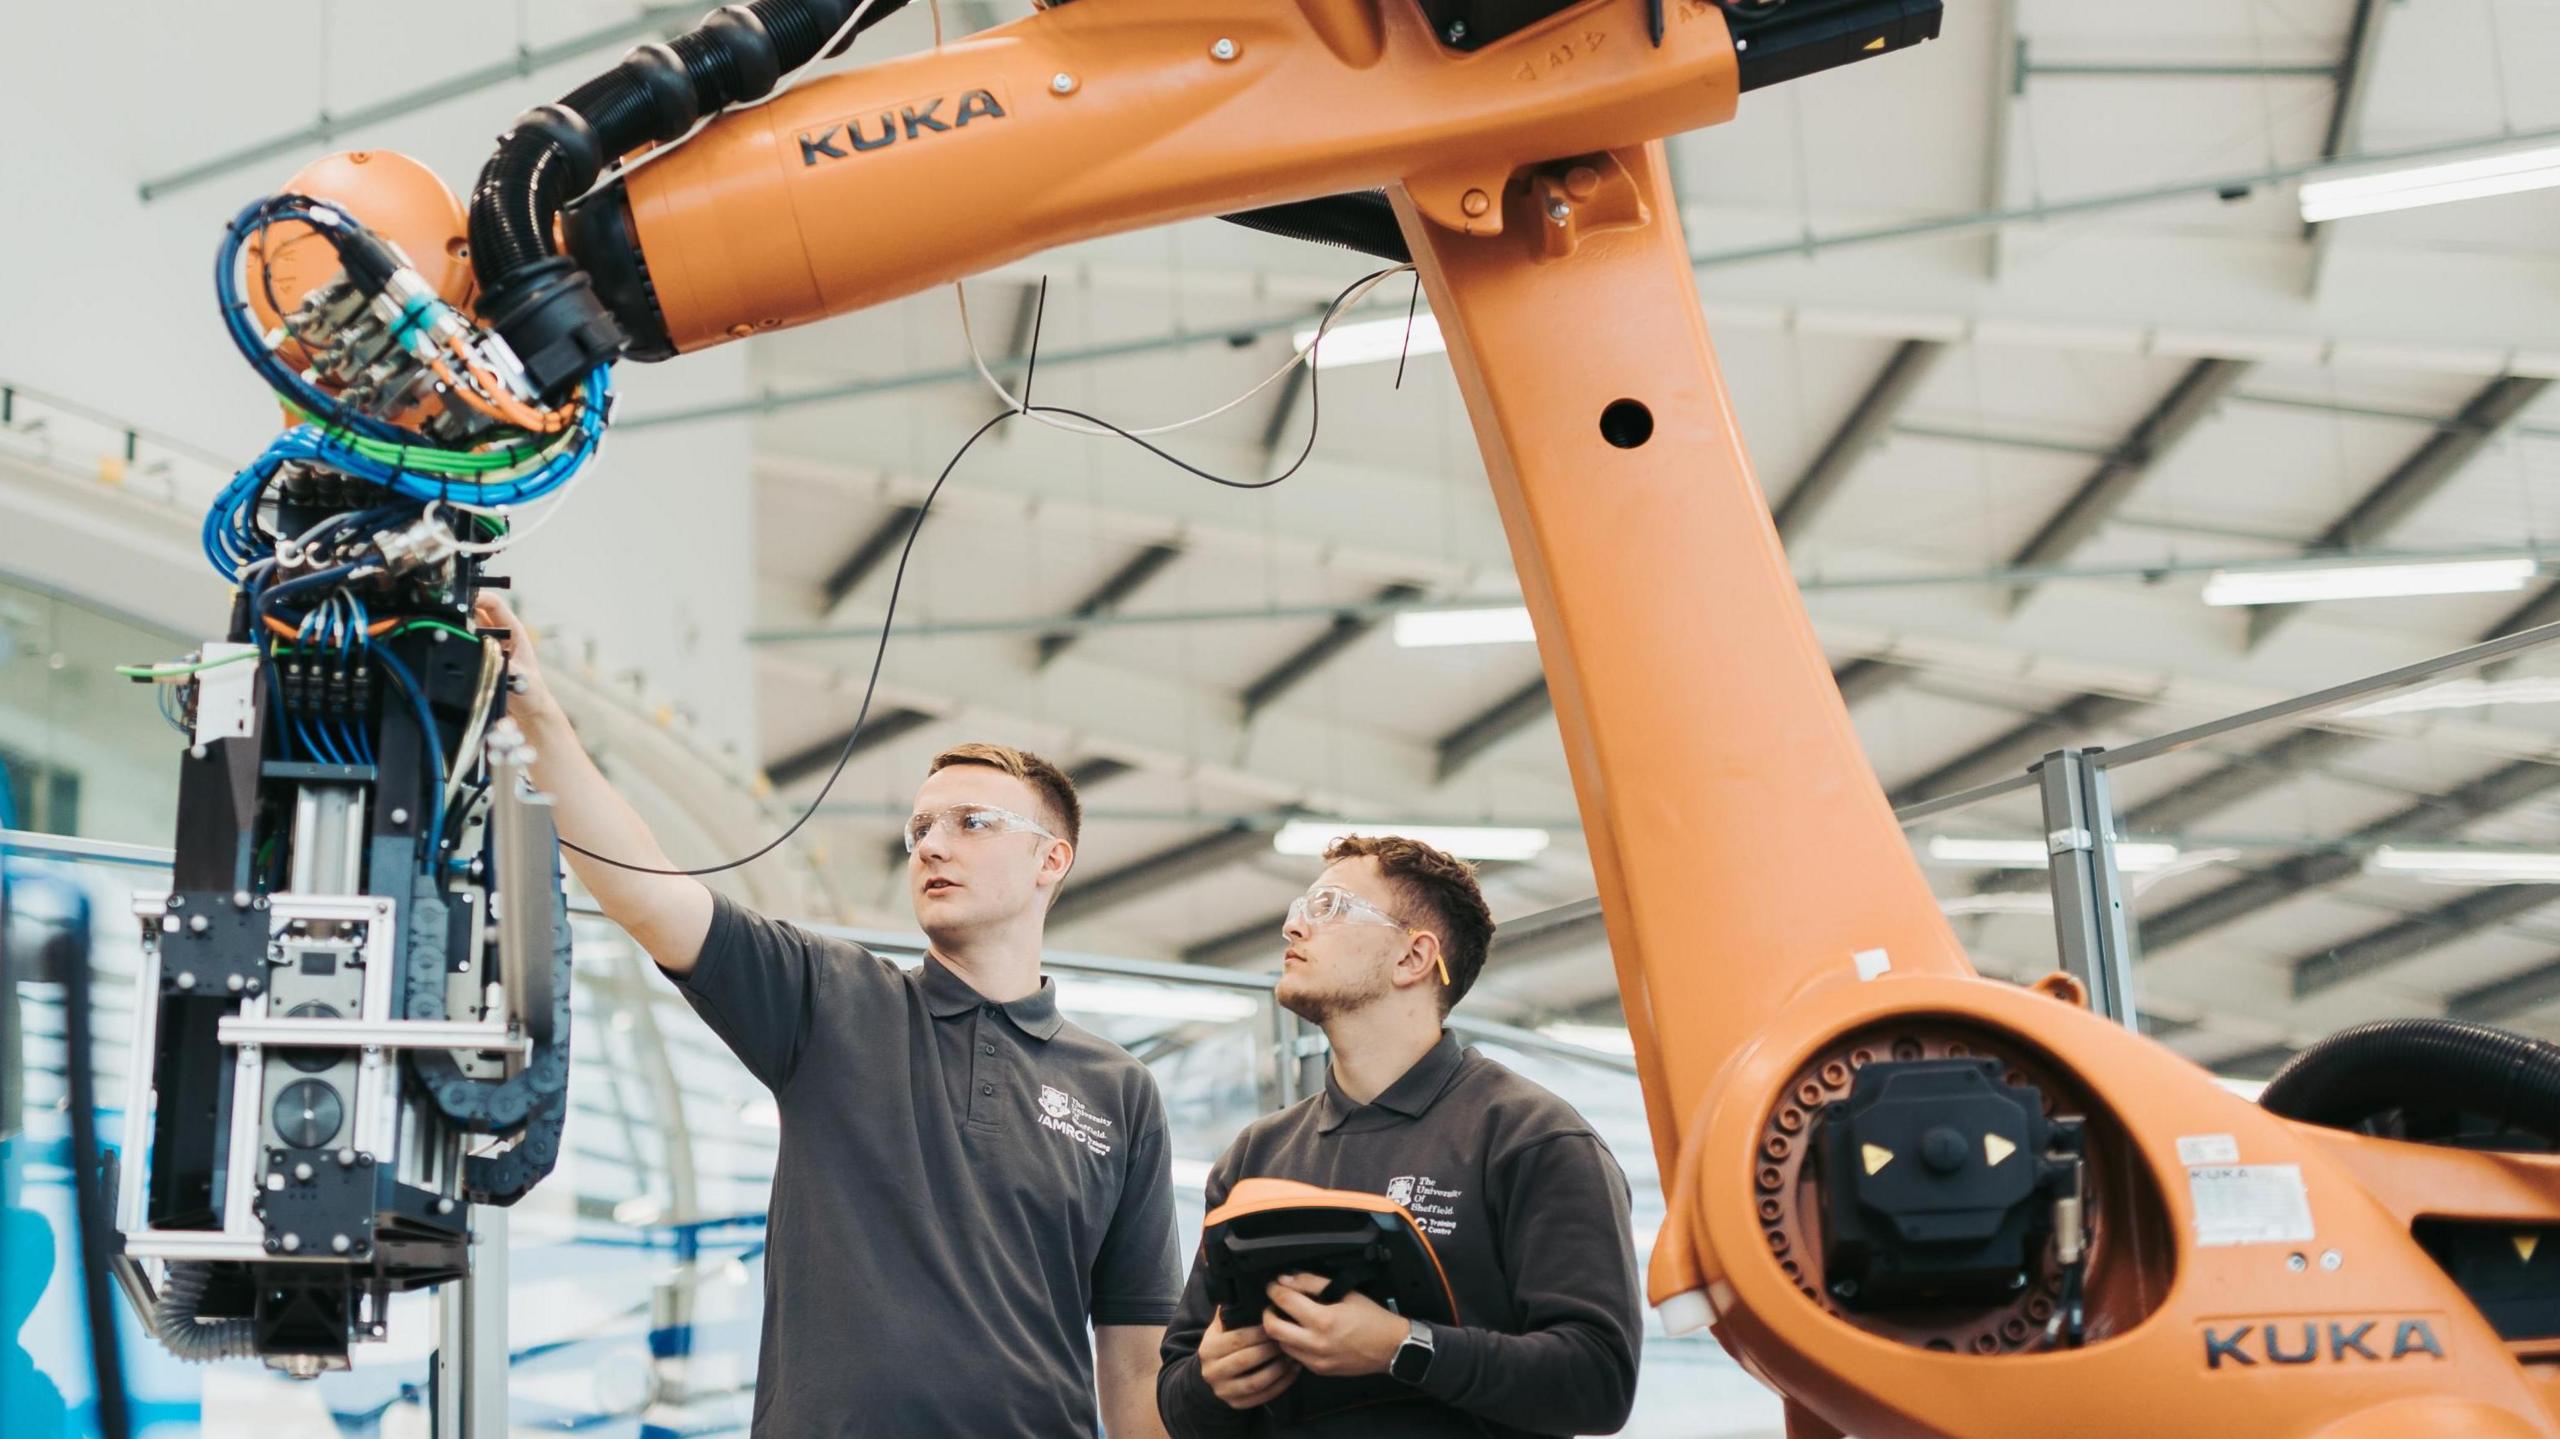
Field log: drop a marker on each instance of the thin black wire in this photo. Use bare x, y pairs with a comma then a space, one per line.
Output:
879, 655
1031, 362
898, 580
1410, 306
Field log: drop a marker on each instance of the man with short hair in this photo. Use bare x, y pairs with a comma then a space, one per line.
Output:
1523, 1205
966, 1181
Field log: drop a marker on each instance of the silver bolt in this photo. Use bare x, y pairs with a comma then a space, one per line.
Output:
444, 1206
399, 816
239, 899
346, 1159
339, 1243
1559, 211
187, 980
377, 1329
198, 925
1457, 32
2296, 1262
302, 1172
196, 751
275, 1181
1062, 83
1741, 45
2331, 1259
1225, 49
234, 983
292, 1242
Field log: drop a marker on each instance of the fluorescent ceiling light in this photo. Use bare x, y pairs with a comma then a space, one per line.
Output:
2417, 185
2132, 857
2468, 866
1606, 1038
1311, 837
1134, 999
2367, 582
2469, 692
1371, 341
1423, 629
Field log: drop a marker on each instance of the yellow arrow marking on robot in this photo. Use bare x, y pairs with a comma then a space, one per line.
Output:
1995, 1149
2525, 1243
1876, 1155
1875, 44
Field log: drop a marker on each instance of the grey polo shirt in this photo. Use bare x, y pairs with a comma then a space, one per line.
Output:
1528, 1213
962, 1187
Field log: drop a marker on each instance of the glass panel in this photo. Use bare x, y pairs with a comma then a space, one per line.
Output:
1686, 1386
82, 750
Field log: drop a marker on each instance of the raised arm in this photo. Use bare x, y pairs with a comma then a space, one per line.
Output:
669, 915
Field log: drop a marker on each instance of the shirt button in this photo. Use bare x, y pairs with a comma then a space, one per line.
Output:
986, 1049
986, 1089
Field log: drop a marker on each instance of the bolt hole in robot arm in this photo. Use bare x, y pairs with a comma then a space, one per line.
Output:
1914, 1201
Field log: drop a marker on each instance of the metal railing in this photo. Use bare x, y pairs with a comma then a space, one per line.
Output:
2094, 923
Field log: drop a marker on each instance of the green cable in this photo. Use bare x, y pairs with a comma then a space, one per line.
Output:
154, 672
437, 625
483, 464
162, 672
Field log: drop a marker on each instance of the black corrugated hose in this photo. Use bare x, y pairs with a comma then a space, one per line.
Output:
540, 302
547, 307
2359, 1074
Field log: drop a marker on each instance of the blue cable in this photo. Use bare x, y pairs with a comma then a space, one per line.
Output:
359, 743
430, 739
230, 536
253, 218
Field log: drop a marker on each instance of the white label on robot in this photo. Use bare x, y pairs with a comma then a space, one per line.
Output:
2250, 1204
1872, 963
226, 693
2195, 1149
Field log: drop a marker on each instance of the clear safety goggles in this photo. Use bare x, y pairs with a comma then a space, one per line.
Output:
1332, 904
971, 821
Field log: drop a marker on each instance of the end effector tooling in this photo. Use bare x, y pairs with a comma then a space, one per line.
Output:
340, 1048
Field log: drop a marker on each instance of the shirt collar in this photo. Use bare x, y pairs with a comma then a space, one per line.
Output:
1035, 1014
1412, 1095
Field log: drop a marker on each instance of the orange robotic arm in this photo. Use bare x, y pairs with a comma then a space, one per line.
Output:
1838, 1102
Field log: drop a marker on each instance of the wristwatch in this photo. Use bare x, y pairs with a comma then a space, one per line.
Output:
1413, 1356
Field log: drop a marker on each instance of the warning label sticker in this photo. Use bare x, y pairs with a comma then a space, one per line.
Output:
2250, 1204
2194, 1149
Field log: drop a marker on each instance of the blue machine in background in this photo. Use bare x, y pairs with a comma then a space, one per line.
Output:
44, 937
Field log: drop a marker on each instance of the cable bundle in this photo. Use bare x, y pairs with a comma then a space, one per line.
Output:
538, 451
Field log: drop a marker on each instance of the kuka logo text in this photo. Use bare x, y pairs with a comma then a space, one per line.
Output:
914, 120
2309, 1341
